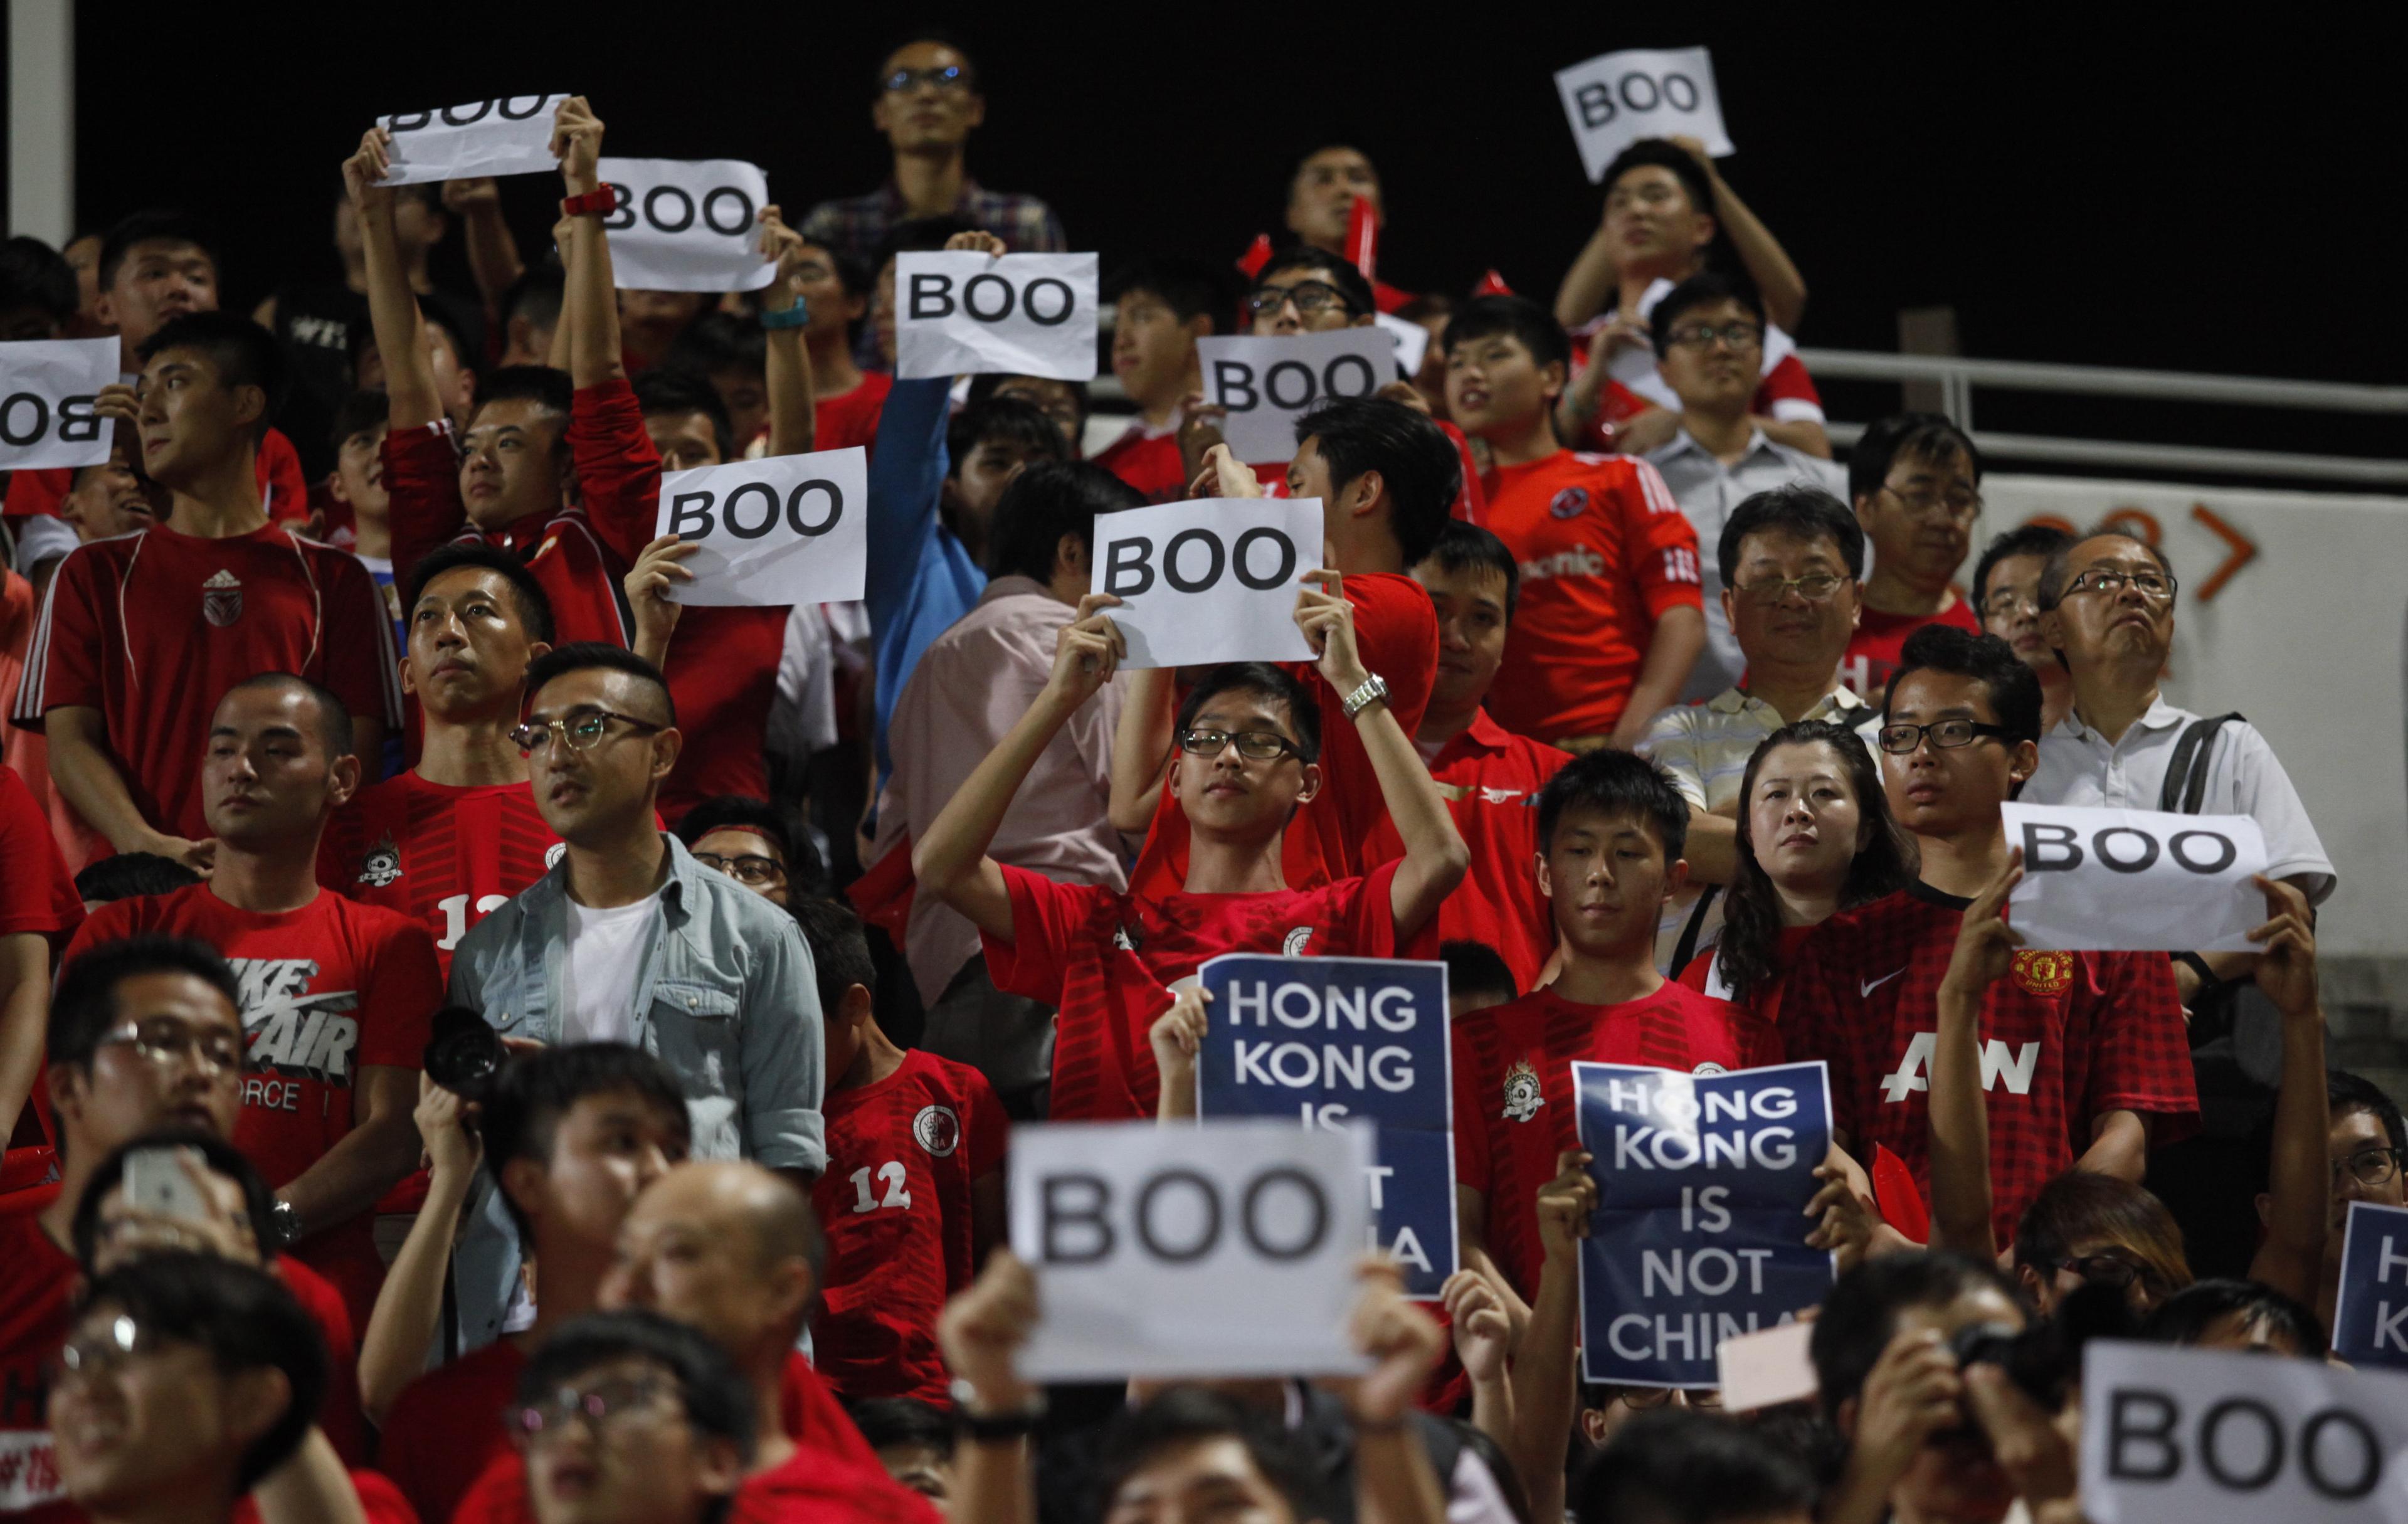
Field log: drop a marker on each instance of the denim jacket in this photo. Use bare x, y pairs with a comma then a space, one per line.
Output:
726, 996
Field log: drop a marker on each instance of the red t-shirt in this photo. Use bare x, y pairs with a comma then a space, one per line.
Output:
1491, 780
325, 989
1605, 552
446, 857
1872, 654
1148, 462
850, 418
380, 1503
895, 1203
2066, 1038
1505, 1144
1332, 836
1705, 975
1105, 960
151, 628
446, 1428
37, 896
283, 489
809, 1489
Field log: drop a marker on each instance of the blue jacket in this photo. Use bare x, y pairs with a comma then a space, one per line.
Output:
920, 578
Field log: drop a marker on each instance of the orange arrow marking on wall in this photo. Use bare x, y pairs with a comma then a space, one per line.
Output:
2244, 551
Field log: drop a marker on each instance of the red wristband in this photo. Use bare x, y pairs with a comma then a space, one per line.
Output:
600, 202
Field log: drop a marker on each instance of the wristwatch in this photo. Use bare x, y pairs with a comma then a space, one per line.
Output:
284, 1224
1374, 689
977, 1424
797, 316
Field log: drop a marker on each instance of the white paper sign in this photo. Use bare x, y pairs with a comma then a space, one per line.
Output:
959, 314
1412, 341
788, 530
1267, 382
687, 224
2172, 1436
1615, 100
508, 137
2131, 880
1767, 1368
1209, 581
47, 387
1223, 1249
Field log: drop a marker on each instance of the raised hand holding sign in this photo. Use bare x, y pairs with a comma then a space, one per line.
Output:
1019, 314
1615, 100
787, 529
511, 136
48, 391
687, 224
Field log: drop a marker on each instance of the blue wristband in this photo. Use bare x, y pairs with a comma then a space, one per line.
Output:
797, 316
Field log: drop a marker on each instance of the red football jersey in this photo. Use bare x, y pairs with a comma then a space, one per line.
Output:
1512, 1068
325, 989
1871, 657
1605, 552
446, 1428
446, 857
1148, 462
283, 488
1491, 780
809, 1488
37, 891
850, 418
1332, 836
895, 1203
2066, 1038
1105, 962
151, 628
1705, 974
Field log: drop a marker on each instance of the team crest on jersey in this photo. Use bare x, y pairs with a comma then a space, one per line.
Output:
2043, 974
1499, 796
1570, 503
1128, 938
221, 599
1297, 939
1710, 1067
552, 854
937, 1130
382, 865
1522, 1097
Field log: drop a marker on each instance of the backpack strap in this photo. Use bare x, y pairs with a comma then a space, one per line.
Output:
2186, 785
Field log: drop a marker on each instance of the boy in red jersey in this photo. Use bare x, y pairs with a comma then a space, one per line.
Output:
1612, 610
912, 1199
1916, 480
1249, 739
2081, 1051
140, 635
335, 995
1161, 307
458, 835
550, 467
1611, 827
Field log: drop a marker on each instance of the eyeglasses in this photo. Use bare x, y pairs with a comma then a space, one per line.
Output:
1946, 735
952, 76
100, 1352
2369, 1166
595, 1406
2113, 1270
2007, 602
1253, 745
1814, 589
582, 731
1962, 507
1739, 336
2156, 586
751, 870
1310, 296
163, 1042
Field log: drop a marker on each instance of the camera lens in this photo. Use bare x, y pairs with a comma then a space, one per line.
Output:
463, 1053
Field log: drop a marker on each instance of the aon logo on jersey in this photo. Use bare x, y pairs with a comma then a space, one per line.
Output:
1999, 1066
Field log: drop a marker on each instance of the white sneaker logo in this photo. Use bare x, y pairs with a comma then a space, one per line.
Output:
1872, 985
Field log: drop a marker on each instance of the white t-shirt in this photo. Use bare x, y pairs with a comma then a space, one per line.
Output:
605, 950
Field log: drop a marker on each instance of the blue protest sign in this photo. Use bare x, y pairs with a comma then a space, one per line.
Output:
1700, 1229
1328, 1041
2371, 1318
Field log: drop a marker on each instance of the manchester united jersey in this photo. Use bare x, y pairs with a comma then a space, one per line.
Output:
446, 857
895, 1203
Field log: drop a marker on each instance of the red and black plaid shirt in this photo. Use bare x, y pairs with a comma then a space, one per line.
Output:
2066, 1039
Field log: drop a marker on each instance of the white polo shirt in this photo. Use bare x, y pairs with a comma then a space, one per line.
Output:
2077, 766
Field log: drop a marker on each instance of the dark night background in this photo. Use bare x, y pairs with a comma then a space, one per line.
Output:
2153, 197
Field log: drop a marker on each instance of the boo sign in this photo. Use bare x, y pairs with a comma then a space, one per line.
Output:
1328, 1041
1615, 100
964, 313
788, 530
48, 387
2371, 1320
1700, 1228
1267, 382
687, 224
1209, 581
1227, 1249
2135, 880
511, 136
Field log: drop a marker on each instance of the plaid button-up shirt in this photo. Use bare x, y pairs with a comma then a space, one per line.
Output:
859, 224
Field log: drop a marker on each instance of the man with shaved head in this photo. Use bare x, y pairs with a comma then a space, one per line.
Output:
336, 995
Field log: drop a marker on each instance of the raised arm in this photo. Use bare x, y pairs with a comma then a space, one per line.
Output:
1394, 1480
1546, 1389
981, 1331
1142, 749
793, 420
1778, 284
950, 860
411, 400
493, 260
1436, 858
410, 1304
1680, 635
1959, 1115
589, 304
2299, 1173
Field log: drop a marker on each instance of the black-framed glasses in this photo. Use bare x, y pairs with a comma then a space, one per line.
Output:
1310, 296
752, 870
594, 1406
1946, 735
2114, 1269
1253, 745
1703, 336
582, 731
163, 1042
2156, 586
952, 76
1923, 502
2369, 1166
1813, 588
